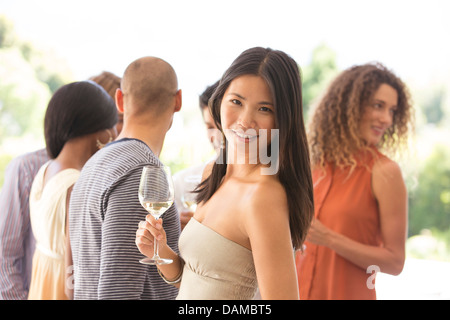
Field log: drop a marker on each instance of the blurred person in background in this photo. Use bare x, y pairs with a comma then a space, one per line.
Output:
360, 197
80, 119
187, 179
110, 82
17, 243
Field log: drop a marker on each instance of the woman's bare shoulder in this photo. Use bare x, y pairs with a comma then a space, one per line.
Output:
386, 168
267, 214
387, 178
268, 198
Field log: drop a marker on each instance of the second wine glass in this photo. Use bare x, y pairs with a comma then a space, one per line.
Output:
189, 197
156, 195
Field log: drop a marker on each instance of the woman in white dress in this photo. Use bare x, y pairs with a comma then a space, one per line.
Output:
80, 119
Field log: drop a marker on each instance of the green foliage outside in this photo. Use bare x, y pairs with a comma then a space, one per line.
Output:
429, 205
432, 244
429, 208
316, 76
433, 105
28, 78
23, 97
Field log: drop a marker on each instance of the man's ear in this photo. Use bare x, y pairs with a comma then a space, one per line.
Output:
178, 101
119, 100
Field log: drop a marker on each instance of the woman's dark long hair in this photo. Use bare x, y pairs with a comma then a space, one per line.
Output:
282, 75
77, 109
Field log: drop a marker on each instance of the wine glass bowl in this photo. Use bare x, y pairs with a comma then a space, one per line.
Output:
156, 195
189, 197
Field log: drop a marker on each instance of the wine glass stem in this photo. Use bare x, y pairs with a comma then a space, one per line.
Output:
156, 249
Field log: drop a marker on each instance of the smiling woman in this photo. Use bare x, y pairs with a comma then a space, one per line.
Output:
246, 111
378, 116
359, 194
247, 223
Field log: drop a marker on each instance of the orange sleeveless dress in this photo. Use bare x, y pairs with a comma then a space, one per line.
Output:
345, 204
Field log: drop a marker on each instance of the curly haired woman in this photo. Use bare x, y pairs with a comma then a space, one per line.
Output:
360, 197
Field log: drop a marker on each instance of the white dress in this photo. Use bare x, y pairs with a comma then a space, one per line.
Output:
48, 221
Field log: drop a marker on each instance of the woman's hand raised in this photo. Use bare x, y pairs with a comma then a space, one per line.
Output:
147, 231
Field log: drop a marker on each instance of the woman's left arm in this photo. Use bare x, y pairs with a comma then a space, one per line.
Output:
390, 192
267, 226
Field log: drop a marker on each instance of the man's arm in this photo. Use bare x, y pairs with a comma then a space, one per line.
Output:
121, 274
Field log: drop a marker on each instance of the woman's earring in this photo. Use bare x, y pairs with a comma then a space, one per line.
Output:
101, 145
223, 142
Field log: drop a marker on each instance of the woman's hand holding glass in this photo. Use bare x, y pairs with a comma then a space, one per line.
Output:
145, 238
149, 230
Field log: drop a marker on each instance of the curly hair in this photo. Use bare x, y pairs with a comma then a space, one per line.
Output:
109, 81
334, 135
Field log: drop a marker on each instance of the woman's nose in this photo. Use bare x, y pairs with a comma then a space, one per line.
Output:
387, 117
246, 119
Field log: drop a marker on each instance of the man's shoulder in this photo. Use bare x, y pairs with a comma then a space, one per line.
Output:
28, 164
120, 157
38, 157
129, 148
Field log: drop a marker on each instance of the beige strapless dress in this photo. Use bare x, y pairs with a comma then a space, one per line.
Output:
216, 268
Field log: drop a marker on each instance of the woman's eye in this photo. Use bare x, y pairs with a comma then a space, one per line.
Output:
377, 105
236, 101
265, 109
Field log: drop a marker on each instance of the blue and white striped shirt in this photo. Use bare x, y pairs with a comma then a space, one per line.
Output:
103, 219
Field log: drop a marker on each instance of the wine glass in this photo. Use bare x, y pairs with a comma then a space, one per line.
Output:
156, 195
189, 196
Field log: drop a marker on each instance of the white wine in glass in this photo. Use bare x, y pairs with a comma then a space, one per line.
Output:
156, 195
189, 197
156, 209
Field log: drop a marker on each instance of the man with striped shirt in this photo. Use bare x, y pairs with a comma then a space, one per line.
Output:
105, 210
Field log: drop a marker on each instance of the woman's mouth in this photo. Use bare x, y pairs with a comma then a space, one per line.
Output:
246, 137
379, 131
